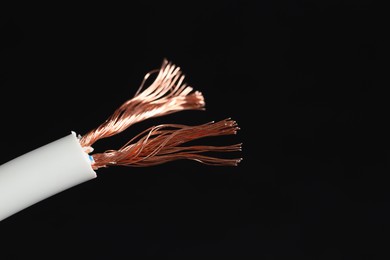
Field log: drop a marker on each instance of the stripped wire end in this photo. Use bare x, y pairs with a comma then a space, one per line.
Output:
164, 143
166, 95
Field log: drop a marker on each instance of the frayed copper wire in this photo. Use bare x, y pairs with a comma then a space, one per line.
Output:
167, 94
163, 143
160, 144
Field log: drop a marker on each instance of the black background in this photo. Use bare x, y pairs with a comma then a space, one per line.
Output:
304, 81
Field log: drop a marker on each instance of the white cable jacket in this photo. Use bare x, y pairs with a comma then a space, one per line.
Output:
42, 173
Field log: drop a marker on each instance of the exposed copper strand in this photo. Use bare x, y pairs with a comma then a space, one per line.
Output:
161, 144
166, 95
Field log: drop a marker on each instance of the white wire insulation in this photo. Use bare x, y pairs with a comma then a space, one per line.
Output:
42, 173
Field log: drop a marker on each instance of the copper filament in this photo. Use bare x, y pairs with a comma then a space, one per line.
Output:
164, 143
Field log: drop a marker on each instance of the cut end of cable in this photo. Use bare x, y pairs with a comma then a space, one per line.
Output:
167, 94
165, 143
238, 161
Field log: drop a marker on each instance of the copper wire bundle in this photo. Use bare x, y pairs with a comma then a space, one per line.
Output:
64, 163
159, 144
166, 95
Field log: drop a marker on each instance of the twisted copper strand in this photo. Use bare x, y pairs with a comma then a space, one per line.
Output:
167, 94
163, 143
